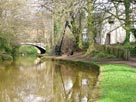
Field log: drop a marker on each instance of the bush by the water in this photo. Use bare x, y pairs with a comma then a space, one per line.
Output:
5, 50
5, 46
27, 50
4, 57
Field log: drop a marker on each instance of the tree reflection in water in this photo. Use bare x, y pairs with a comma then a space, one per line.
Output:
46, 82
76, 84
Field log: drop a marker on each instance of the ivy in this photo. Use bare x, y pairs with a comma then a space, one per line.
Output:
133, 30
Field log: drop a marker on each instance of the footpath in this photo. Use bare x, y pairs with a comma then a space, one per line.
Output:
80, 56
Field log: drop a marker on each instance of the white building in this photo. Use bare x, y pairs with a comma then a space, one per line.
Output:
111, 29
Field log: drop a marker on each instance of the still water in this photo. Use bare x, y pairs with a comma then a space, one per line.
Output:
29, 79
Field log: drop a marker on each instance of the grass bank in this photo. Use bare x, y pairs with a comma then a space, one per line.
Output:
117, 83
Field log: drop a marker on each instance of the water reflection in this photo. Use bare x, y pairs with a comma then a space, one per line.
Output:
30, 80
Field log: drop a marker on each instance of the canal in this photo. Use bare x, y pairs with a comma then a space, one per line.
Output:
28, 79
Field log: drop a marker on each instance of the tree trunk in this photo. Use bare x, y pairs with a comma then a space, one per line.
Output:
127, 20
75, 31
60, 46
80, 44
90, 28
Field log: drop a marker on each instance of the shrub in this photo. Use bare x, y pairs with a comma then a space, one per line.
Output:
98, 54
27, 49
6, 57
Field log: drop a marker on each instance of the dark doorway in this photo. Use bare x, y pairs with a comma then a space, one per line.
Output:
108, 39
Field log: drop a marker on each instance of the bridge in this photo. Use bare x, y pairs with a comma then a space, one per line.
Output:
39, 46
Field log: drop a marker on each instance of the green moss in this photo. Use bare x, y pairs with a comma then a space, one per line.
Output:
118, 83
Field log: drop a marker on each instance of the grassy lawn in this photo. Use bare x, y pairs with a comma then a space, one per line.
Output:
118, 83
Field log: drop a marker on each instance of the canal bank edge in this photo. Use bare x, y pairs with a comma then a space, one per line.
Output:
73, 61
96, 91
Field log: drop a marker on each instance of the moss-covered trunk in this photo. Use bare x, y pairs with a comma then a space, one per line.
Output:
127, 21
75, 31
90, 28
80, 44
